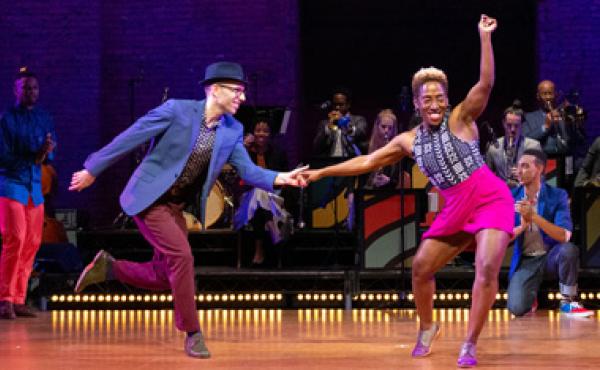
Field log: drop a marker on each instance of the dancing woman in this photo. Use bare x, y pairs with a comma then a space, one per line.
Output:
479, 207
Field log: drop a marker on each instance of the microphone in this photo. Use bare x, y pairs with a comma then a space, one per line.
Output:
325, 105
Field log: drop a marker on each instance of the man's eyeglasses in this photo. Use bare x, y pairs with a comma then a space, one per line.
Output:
238, 91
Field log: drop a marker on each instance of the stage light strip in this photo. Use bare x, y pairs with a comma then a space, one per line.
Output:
240, 297
272, 297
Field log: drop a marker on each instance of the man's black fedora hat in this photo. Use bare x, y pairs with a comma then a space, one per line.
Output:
224, 71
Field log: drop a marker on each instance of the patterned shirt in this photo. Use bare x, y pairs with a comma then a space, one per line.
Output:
198, 161
443, 157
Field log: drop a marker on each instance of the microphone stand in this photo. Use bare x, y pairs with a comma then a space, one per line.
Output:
346, 141
402, 292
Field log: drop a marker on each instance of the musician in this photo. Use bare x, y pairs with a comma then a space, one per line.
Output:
503, 154
384, 130
27, 138
264, 210
342, 134
194, 139
545, 124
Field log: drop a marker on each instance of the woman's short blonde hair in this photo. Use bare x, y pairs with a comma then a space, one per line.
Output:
424, 75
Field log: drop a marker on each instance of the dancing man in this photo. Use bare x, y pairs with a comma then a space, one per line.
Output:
479, 206
192, 141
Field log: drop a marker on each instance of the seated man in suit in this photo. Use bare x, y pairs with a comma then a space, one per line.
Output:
503, 155
542, 232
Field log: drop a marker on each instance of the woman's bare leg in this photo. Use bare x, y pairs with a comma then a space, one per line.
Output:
432, 255
491, 246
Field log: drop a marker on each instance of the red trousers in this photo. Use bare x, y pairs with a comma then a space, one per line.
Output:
21, 227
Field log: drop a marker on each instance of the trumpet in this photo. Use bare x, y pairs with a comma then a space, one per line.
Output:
574, 114
567, 112
555, 114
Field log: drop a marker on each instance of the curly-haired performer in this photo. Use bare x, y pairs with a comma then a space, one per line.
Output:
479, 207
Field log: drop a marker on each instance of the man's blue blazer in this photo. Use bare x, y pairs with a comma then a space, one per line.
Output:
174, 126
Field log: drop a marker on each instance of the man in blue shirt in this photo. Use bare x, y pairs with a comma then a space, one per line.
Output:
26, 140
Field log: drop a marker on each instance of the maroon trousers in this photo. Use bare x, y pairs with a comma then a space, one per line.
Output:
172, 266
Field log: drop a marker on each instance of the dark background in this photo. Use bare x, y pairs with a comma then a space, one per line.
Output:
87, 53
374, 48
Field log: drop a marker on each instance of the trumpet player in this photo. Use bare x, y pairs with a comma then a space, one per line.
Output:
546, 124
504, 153
342, 134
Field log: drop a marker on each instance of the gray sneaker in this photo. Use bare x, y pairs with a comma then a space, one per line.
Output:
195, 347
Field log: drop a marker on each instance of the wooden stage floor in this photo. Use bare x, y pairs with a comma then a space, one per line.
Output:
293, 339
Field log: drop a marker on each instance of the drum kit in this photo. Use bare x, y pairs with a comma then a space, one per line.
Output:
220, 204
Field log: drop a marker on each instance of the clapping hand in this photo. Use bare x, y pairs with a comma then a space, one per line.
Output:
525, 209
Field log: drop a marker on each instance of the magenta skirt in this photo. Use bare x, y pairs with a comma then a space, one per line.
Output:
483, 201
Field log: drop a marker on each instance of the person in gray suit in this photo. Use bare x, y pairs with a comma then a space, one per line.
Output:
192, 140
503, 154
342, 134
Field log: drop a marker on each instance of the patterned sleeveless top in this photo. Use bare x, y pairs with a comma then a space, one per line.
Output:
444, 158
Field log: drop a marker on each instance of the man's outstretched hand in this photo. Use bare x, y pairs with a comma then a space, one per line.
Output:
81, 180
292, 178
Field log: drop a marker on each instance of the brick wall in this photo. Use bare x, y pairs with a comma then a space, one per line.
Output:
569, 51
60, 41
87, 54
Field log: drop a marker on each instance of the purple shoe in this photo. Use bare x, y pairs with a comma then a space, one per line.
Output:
424, 340
467, 356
